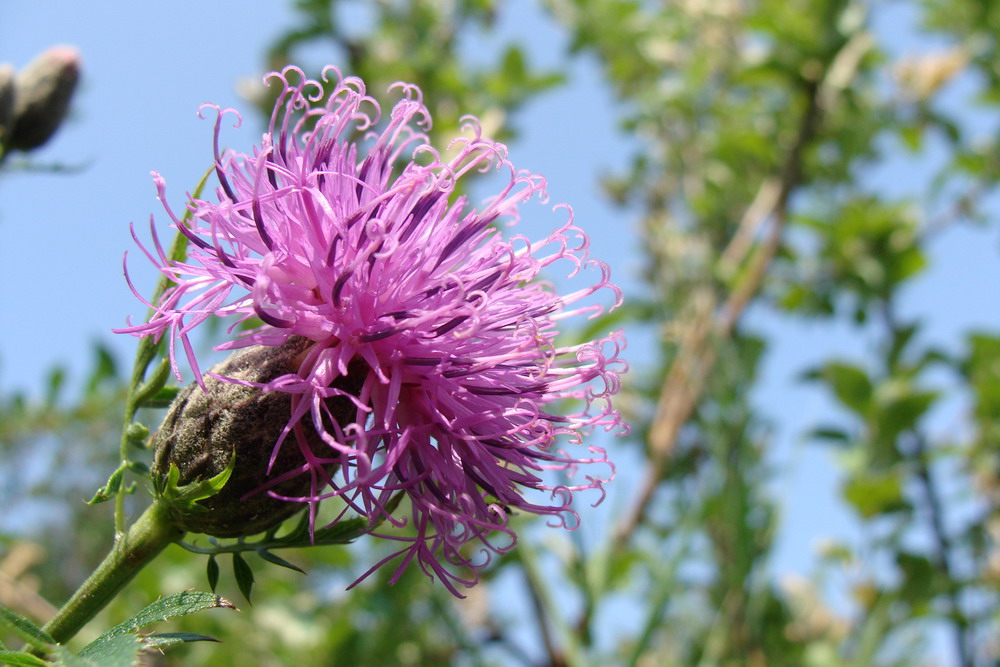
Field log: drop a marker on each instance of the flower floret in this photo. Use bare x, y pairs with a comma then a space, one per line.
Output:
348, 231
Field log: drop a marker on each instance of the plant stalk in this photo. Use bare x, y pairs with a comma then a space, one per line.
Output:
143, 542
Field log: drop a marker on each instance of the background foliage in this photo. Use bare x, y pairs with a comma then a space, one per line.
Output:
761, 128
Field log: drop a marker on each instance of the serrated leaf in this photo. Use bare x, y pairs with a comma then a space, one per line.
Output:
25, 629
244, 575
212, 571
178, 604
65, 658
172, 638
21, 659
278, 560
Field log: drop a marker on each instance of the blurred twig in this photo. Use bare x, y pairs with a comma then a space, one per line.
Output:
17, 591
707, 323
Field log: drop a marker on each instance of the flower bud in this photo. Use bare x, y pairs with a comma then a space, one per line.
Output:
202, 432
42, 93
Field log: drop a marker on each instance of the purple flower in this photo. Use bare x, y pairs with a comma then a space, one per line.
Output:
320, 233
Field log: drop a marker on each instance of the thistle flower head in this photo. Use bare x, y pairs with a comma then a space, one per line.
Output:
347, 230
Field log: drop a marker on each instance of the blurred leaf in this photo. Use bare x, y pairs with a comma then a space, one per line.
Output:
830, 433
872, 492
54, 385
850, 384
921, 580
104, 369
902, 412
21, 659
25, 629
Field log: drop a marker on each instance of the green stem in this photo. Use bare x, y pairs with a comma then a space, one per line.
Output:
145, 539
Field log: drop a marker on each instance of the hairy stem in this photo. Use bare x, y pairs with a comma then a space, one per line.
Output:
145, 539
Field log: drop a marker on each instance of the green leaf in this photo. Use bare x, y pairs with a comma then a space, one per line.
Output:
172, 638
139, 468
25, 629
830, 433
850, 385
921, 580
912, 136
902, 413
875, 492
123, 651
341, 532
163, 398
104, 369
244, 575
185, 498
54, 385
178, 604
212, 570
278, 560
111, 489
21, 659
137, 434
150, 390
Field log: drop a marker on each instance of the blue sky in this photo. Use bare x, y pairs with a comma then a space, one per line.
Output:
147, 68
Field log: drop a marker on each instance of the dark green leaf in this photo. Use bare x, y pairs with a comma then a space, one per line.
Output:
341, 532
212, 570
25, 629
278, 560
244, 575
921, 579
831, 433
